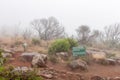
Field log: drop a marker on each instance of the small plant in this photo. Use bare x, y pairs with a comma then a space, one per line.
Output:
60, 45
35, 41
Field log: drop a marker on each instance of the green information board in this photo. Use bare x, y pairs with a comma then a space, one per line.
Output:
79, 51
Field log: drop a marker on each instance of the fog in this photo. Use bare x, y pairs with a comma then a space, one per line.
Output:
70, 13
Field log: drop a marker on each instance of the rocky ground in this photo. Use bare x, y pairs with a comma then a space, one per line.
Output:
60, 71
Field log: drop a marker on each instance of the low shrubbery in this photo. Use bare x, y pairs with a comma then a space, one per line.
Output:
72, 42
8, 74
60, 45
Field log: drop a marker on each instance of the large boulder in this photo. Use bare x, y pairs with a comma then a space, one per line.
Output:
98, 56
78, 64
28, 56
39, 60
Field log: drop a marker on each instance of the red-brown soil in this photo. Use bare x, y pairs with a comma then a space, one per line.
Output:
17, 62
93, 69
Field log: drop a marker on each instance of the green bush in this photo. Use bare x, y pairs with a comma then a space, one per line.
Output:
35, 41
72, 42
60, 45
8, 74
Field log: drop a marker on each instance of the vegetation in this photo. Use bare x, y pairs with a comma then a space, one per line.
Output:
60, 45
72, 42
9, 74
35, 41
48, 29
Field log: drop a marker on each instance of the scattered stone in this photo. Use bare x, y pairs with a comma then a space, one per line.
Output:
111, 61
22, 69
39, 60
78, 64
7, 51
64, 54
116, 78
47, 76
97, 78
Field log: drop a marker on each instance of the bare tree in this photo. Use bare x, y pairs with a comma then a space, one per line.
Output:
85, 35
48, 28
111, 35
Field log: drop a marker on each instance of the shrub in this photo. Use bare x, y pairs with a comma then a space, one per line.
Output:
72, 42
35, 41
8, 74
60, 45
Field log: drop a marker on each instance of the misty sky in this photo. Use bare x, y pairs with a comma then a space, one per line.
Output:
70, 13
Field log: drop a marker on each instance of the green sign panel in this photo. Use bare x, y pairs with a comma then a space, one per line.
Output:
78, 51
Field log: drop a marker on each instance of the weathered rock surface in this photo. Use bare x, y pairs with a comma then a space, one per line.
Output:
97, 78
64, 54
39, 60
110, 61
22, 69
78, 64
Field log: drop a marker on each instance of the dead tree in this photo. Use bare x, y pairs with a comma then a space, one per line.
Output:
48, 29
85, 36
111, 35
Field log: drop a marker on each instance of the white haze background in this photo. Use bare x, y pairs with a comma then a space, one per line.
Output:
70, 13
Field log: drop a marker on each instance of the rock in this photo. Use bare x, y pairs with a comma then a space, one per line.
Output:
65, 54
7, 51
78, 64
97, 78
6, 55
28, 56
21, 69
47, 76
111, 61
62, 56
98, 56
116, 78
39, 60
